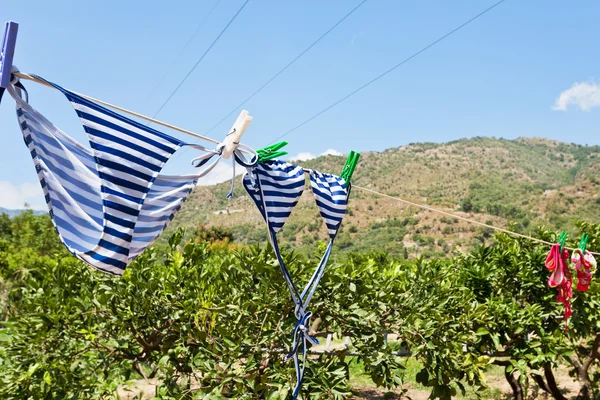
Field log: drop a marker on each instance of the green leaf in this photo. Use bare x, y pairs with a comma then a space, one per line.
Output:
47, 378
422, 377
482, 332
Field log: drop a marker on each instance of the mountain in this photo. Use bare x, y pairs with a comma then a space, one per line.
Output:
12, 213
529, 182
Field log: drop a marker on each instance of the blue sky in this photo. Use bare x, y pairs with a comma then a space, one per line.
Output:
501, 76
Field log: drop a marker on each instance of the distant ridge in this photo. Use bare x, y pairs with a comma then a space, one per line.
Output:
528, 182
13, 213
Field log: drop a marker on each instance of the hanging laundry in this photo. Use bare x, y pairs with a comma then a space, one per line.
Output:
331, 195
275, 187
585, 265
560, 277
108, 202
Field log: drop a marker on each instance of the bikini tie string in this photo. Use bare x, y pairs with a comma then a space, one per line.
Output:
241, 159
238, 155
301, 336
301, 328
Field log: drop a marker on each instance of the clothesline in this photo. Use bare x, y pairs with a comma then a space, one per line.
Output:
33, 78
472, 221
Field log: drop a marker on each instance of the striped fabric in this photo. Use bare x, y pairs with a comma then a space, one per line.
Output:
281, 185
331, 195
164, 199
109, 203
276, 187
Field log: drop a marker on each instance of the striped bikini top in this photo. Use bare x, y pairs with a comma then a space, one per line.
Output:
276, 186
108, 202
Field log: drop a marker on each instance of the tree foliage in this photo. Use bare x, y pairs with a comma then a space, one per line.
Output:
213, 321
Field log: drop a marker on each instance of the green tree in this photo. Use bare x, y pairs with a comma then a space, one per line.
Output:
212, 322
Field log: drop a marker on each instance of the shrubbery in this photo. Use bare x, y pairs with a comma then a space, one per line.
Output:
211, 321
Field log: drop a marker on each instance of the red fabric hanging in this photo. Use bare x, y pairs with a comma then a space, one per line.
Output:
585, 265
560, 277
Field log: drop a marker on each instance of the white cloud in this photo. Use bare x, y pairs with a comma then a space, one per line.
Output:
303, 157
586, 95
15, 197
221, 173
309, 156
331, 152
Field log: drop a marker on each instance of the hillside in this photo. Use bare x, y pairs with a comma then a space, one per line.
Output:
528, 181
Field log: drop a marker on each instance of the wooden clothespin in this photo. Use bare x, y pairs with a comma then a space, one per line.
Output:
232, 140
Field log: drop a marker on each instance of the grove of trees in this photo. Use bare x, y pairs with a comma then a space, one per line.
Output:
210, 319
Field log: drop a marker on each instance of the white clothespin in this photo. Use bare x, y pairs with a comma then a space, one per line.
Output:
232, 140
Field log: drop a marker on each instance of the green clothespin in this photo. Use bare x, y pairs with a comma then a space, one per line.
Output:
350, 165
272, 151
562, 238
583, 242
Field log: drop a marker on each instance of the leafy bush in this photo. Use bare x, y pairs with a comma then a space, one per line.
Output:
212, 321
